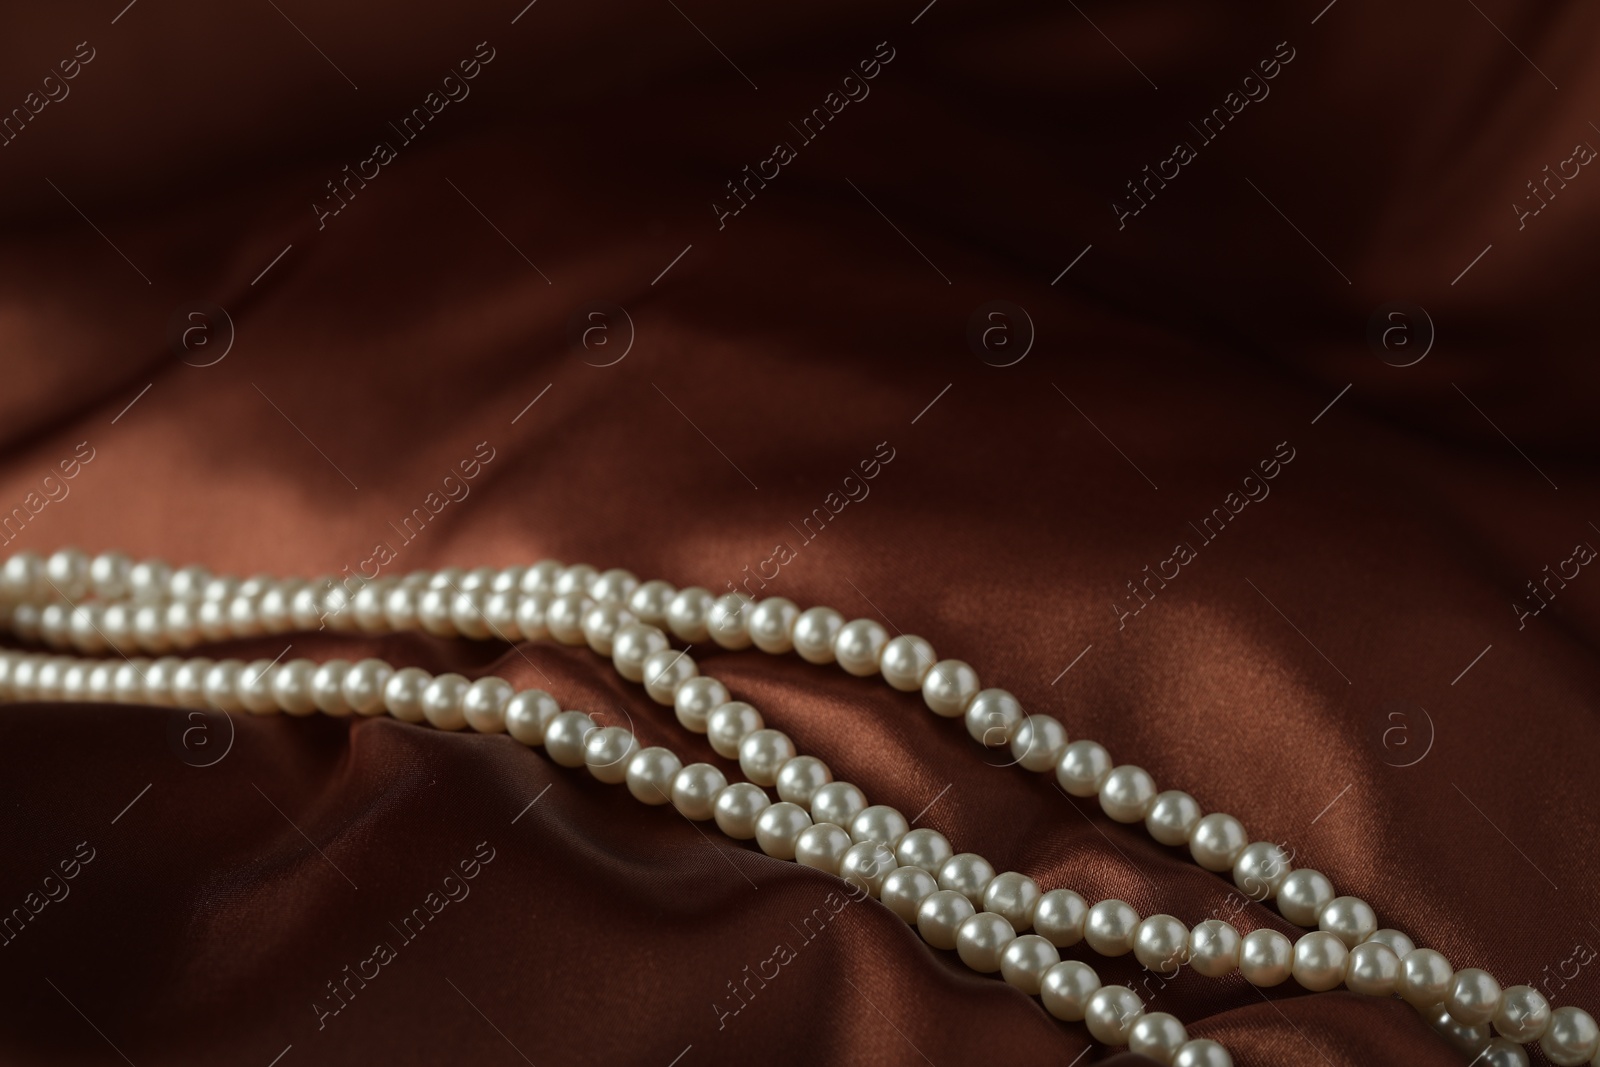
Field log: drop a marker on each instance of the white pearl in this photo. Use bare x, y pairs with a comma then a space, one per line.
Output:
1025, 960
53, 625
607, 752
1038, 742
371, 615
779, 826
442, 701
157, 680
815, 631
1014, 896
449, 578
981, 940
1474, 996
859, 647
649, 602
1157, 1035
528, 713
1214, 948
1425, 977
1066, 989
1350, 919
1172, 817
736, 809
800, 778
85, 629
1259, 870
770, 624
188, 680
22, 577
484, 704
993, 717
696, 699
614, 586
102, 685
541, 577
725, 621
48, 683
149, 628
1217, 841
866, 865
434, 610
530, 616
1572, 1037
291, 686
822, 845
1059, 917
1110, 927
1111, 1013
631, 645
564, 740
402, 693
879, 823
925, 848
1265, 958
949, 687
1127, 793
147, 579
75, 682
966, 873
563, 617
1319, 961
1372, 969
478, 579
601, 623
26, 671
212, 617
400, 606
1083, 768
67, 570
255, 687
1202, 1053
905, 889
905, 661
327, 687
729, 725
364, 683
940, 915
576, 578
466, 614
687, 614
1468, 1039
1501, 1052
507, 580
665, 671
1161, 944
694, 789
130, 684
762, 755
1302, 896
117, 626
837, 803
1400, 943
1523, 1014
222, 685
650, 772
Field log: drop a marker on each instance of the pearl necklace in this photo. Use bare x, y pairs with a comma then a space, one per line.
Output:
956, 901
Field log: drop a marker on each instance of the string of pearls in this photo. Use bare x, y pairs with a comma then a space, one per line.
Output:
150, 607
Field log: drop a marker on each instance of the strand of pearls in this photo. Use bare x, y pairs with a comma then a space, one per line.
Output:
619, 616
879, 854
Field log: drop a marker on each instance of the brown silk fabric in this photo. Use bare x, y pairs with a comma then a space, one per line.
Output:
1338, 659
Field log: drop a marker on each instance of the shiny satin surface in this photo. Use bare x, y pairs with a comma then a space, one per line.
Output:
1381, 654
